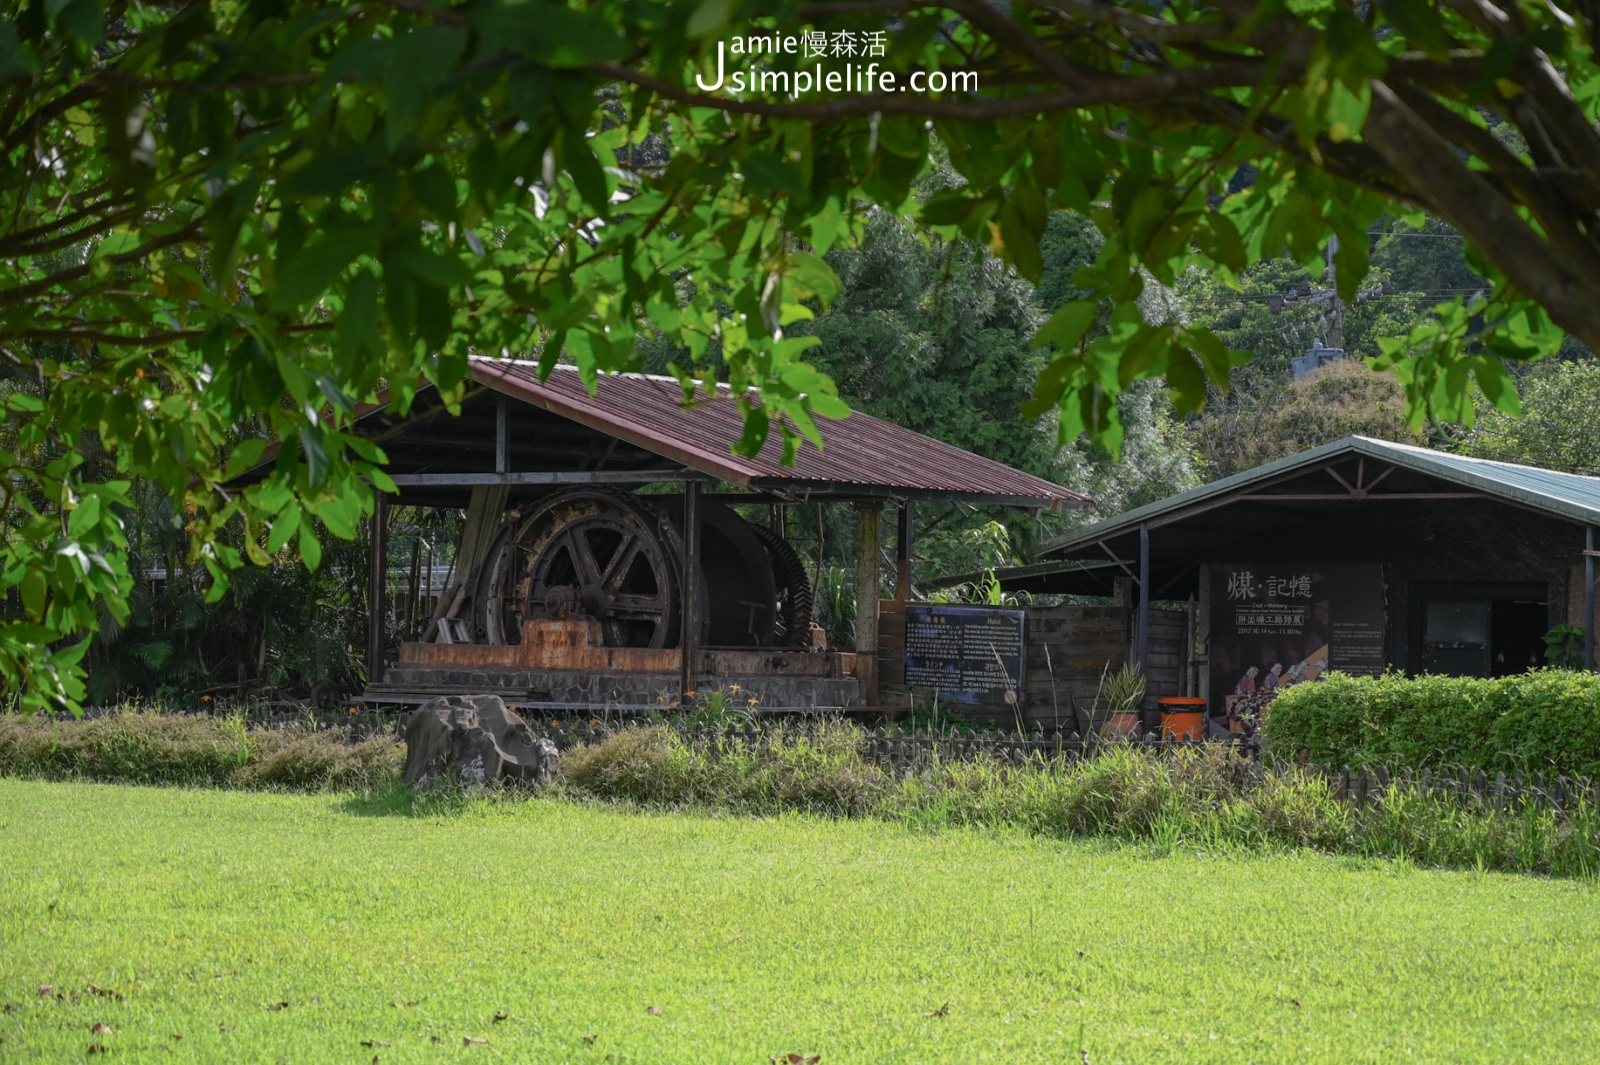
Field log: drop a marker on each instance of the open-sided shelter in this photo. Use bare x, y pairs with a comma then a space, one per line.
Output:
601, 564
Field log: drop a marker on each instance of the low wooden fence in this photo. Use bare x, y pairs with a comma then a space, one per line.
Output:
1366, 787
1372, 787
903, 749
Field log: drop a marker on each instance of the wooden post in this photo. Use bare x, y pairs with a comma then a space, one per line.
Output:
902, 554
502, 436
376, 557
688, 612
1588, 598
1144, 608
867, 593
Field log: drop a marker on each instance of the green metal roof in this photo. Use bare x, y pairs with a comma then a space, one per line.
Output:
1572, 496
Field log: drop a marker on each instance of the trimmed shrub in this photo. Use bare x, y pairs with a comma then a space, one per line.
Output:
1544, 721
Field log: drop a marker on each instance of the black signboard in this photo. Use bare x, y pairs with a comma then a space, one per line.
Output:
1357, 619
969, 654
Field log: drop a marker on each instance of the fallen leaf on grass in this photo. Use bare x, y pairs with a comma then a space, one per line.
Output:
942, 1011
1295, 1003
102, 1028
436, 1039
375, 1043
175, 1035
230, 972
105, 992
498, 1017
374, 1059
45, 989
278, 1006
794, 1059
588, 1040
402, 1005
468, 1041
98, 1048
652, 1011
10, 1007
1083, 954
223, 1028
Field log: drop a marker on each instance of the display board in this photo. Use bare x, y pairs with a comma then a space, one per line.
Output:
968, 654
1275, 625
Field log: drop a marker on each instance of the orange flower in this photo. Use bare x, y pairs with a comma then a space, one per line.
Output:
594, 721
205, 698
555, 724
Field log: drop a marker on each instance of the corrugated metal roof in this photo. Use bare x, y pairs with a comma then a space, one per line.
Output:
860, 451
1567, 495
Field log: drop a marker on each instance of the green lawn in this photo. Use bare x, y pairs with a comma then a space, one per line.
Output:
204, 910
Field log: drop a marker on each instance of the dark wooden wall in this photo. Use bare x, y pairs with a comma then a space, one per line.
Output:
1069, 649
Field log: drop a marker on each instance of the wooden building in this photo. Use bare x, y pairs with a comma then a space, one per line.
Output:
1361, 555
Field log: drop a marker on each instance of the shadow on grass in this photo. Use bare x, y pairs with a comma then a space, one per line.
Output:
399, 799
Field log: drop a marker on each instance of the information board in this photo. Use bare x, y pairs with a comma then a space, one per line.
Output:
969, 654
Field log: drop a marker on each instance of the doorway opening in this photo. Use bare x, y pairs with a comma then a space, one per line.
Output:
1479, 629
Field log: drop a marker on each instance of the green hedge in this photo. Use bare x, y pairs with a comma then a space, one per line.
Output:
1545, 721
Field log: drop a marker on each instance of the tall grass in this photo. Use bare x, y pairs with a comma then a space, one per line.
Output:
1203, 797
144, 748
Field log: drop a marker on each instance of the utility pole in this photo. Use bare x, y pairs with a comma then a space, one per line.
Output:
1331, 310
1335, 303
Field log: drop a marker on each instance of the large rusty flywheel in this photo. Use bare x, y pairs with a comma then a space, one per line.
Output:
616, 557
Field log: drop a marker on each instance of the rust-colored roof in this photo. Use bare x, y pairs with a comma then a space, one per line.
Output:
860, 451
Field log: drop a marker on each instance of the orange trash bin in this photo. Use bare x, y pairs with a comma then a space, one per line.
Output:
1183, 717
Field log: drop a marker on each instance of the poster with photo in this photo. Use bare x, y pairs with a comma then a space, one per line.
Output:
1270, 630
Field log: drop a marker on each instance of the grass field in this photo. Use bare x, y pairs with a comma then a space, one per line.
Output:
319, 928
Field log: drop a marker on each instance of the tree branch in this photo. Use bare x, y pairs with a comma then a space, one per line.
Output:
1430, 165
26, 292
1144, 26
151, 340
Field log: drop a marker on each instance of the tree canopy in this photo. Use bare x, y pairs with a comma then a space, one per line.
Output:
263, 214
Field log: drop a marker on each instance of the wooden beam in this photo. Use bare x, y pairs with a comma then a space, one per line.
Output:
502, 435
377, 556
462, 480
902, 553
1588, 597
1360, 497
867, 594
1144, 602
688, 612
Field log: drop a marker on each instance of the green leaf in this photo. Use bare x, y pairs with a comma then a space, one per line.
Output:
310, 549
1067, 326
708, 17
286, 525
551, 33
812, 277
34, 589
1021, 242
16, 59
1420, 22
317, 266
